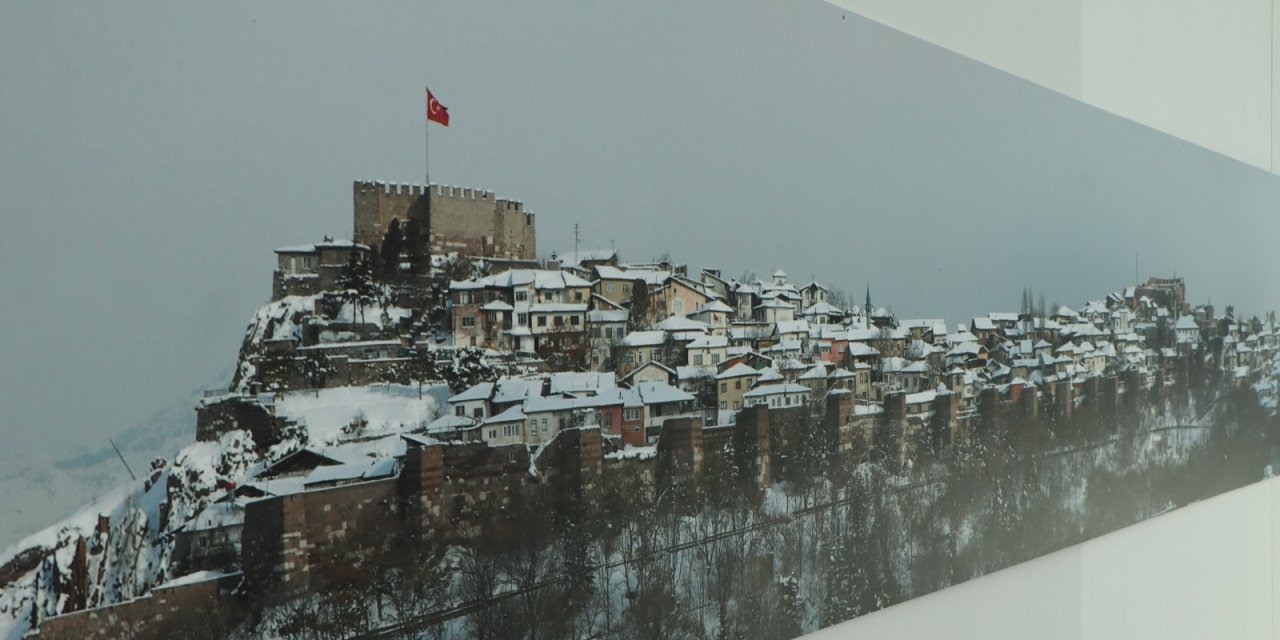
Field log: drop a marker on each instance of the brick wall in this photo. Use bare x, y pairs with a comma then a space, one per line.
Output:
205, 609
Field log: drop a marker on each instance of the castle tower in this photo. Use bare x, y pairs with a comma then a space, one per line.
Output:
470, 222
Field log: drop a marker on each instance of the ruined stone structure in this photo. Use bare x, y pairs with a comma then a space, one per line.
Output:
470, 222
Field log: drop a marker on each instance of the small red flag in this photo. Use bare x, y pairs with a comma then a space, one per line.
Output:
436, 112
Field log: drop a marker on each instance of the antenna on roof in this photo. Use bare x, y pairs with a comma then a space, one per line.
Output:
575, 244
126, 464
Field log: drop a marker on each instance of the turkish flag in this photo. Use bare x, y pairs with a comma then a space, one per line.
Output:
436, 112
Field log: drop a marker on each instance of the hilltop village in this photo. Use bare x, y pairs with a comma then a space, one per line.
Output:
585, 339
425, 374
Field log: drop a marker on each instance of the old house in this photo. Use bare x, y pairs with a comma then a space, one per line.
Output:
311, 268
731, 385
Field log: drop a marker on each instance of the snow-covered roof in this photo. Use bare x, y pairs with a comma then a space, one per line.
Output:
576, 258
708, 342
775, 389
538, 278
327, 244
657, 392
737, 371
581, 381
793, 326
859, 349
679, 323
350, 472
643, 339
822, 309
480, 391
450, 423
983, 323
651, 277
965, 349
773, 303
512, 414
715, 306
650, 364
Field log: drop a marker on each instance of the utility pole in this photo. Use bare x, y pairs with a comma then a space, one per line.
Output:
576, 257
126, 464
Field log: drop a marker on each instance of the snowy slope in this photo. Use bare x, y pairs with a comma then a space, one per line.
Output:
36, 493
131, 555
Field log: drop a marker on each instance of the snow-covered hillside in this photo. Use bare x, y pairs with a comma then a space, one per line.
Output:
125, 536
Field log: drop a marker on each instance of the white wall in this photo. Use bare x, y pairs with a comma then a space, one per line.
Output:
1204, 571
1201, 71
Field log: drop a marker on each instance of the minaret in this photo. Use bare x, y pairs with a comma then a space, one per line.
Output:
866, 310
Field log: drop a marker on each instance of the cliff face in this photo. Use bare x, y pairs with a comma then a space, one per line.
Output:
118, 547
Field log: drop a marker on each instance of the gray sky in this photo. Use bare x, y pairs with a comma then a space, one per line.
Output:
154, 154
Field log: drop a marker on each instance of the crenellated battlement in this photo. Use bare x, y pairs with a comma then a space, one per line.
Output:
457, 219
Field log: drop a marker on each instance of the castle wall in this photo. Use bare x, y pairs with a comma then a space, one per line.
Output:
167, 612
470, 222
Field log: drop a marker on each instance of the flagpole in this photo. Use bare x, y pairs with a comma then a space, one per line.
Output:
426, 141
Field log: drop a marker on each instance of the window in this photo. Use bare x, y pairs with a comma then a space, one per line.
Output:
542, 321
522, 296
468, 321
463, 298
724, 387
511, 430
460, 410
573, 320
577, 296
737, 405
632, 414
724, 405
609, 287
493, 434
737, 384
522, 319
626, 289
697, 360
477, 412
559, 321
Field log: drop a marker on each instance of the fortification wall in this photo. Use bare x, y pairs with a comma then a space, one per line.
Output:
167, 612
468, 221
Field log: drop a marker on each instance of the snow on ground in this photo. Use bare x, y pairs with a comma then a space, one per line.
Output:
385, 408
634, 453
84, 519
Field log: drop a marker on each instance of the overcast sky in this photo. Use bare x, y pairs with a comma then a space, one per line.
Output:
155, 154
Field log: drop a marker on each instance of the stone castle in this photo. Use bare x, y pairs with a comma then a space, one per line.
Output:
470, 222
